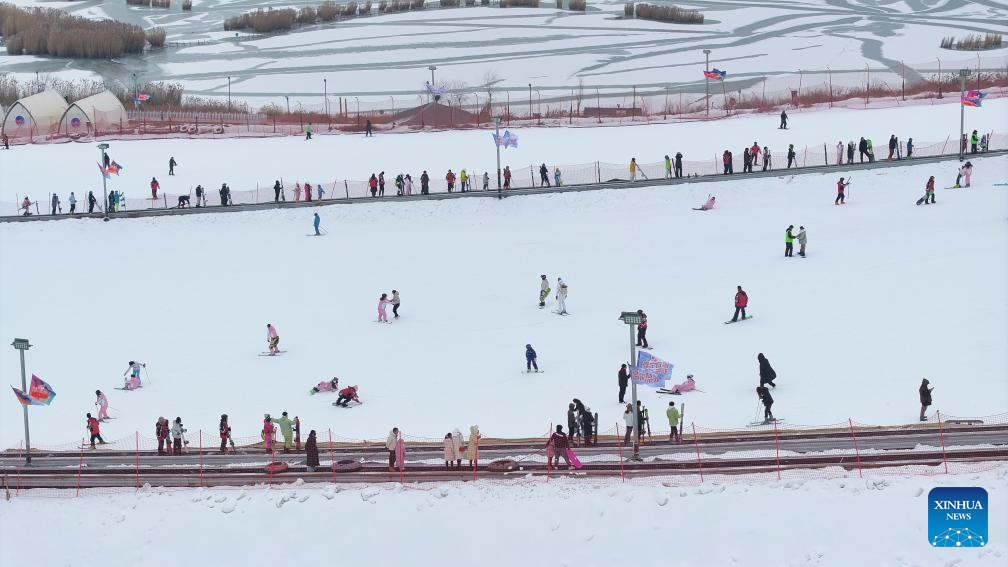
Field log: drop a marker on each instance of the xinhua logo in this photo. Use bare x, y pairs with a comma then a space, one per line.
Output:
957, 517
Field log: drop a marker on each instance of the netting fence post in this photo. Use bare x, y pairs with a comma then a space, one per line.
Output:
620, 445
272, 463
201, 457
857, 451
80, 466
332, 458
549, 446
138, 460
696, 445
17, 486
777, 447
941, 434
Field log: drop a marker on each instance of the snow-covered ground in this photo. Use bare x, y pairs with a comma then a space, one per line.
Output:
588, 523
244, 163
889, 293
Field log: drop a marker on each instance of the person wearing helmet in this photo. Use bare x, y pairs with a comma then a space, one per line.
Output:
544, 291
530, 359
346, 395
133, 382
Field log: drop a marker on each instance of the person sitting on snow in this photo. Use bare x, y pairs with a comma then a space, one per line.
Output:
326, 386
346, 395
708, 205
688, 386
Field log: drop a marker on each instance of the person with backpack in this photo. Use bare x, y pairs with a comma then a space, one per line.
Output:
767, 375
741, 300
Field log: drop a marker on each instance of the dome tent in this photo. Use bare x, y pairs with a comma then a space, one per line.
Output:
97, 112
34, 115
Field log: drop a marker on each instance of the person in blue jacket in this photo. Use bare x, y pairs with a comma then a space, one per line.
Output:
317, 222
530, 359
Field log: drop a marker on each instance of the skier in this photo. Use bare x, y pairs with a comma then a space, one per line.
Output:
559, 442
968, 173
373, 184
929, 191
556, 177
272, 339
311, 452
424, 183
850, 152
791, 156
326, 386
367, 129
224, 429
316, 223
161, 432
178, 436
544, 176
622, 379
767, 159
767, 399
171, 165
839, 152
561, 297
678, 165
840, 186
974, 139
95, 430
673, 420
924, 391
633, 169
530, 359
789, 242
741, 300
133, 382
395, 303
507, 177
668, 167
200, 196
802, 241
909, 148
267, 432
381, 184
544, 291
642, 330
347, 395
892, 146
286, 428
783, 120
463, 180
73, 203
154, 186
450, 180
383, 302
91, 202
56, 204
308, 130
102, 403
766, 372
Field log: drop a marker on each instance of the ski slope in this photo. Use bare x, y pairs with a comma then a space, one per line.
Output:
889, 293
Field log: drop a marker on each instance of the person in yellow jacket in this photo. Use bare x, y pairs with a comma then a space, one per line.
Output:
463, 180
633, 169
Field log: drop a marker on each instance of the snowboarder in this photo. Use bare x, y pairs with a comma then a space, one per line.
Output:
95, 430
559, 442
102, 402
840, 187
708, 205
286, 428
673, 420
741, 300
678, 165
925, 399
368, 133
783, 120
347, 395
56, 204
929, 191
178, 436
161, 432
561, 297
171, 165
544, 176
791, 156
633, 169
133, 382
767, 375
73, 203
325, 386
395, 303
91, 202
316, 223
154, 186
267, 432
789, 242
272, 339
642, 330
802, 241
530, 359
383, 303
311, 452
764, 395
224, 429
544, 291
622, 379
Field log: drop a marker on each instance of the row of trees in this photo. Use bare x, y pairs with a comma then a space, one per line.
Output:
47, 31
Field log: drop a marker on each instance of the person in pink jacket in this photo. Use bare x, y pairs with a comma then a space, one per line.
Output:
272, 338
707, 206
383, 302
102, 403
297, 191
267, 433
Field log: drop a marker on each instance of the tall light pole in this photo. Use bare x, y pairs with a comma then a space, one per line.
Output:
104, 178
539, 105
530, 101
288, 103
706, 80
229, 93
963, 73
432, 68
325, 97
358, 110
631, 319
497, 122
21, 345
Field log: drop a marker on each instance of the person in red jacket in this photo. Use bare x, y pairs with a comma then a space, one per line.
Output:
507, 177
346, 395
161, 432
93, 428
840, 186
373, 183
154, 186
642, 330
741, 300
450, 178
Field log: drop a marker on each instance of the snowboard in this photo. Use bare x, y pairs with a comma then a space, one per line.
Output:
346, 406
700, 209
271, 354
128, 389
645, 347
532, 371
746, 318
576, 462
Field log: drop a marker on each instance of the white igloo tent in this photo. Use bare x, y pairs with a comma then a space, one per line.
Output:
96, 113
35, 115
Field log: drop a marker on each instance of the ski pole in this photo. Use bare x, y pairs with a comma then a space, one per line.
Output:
146, 375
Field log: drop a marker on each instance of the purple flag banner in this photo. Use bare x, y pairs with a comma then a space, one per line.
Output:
651, 371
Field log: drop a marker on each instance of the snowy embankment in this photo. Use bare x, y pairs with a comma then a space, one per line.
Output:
565, 522
888, 294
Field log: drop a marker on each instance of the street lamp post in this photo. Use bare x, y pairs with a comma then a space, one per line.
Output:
963, 73
706, 80
357, 100
631, 319
530, 101
497, 123
325, 98
288, 103
539, 105
104, 179
21, 345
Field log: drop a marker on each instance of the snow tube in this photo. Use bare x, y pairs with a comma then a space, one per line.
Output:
276, 467
503, 465
347, 465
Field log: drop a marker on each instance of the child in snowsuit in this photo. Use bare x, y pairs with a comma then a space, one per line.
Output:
326, 386
346, 395
764, 395
395, 303
133, 382
272, 339
102, 403
383, 302
530, 359
95, 430
267, 433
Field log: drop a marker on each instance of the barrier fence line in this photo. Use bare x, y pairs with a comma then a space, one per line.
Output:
777, 446
941, 435
201, 457
332, 457
137, 434
857, 451
80, 465
697, 445
620, 444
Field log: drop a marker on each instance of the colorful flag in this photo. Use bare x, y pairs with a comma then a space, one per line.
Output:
651, 371
505, 140
114, 168
973, 98
103, 171
39, 394
142, 97
715, 74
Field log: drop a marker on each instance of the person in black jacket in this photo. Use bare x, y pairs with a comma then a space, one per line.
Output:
766, 373
678, 165
791, 156
587, 426
892, 145
746, 161
311, 452
764, 395
424, 183
925, 398
862, 149
276, 191
623, 380
91, 201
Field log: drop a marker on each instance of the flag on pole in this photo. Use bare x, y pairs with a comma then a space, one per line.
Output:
506, 139
141, 97
715, 74
973, 98
651, 371
39, 393
114, 168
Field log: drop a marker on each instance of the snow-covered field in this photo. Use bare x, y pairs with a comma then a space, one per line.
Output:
889, 293
588, 523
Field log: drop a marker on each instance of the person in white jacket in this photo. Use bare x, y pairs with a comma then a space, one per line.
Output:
544, 290
390, 444
561, 297
178, 436
839, 152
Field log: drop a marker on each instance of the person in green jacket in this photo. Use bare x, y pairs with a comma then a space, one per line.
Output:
974, 140
673, 420
287, 429
668, 167
789, 242
308, 131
